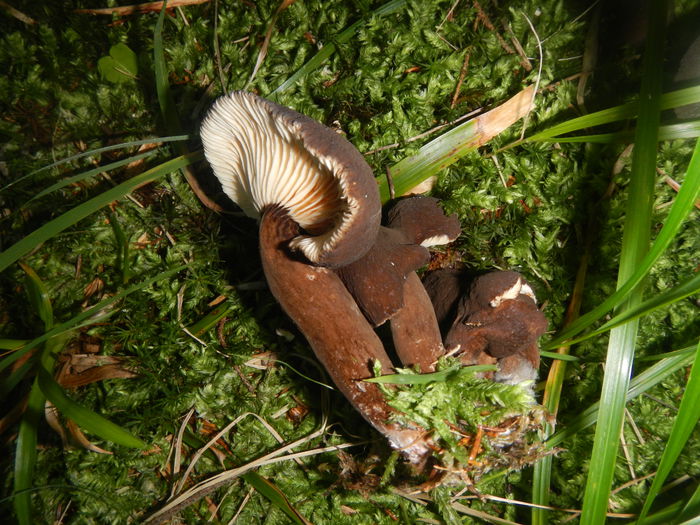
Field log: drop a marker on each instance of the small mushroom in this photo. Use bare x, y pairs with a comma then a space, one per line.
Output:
445, 288
498, 322
320, 209
386, 287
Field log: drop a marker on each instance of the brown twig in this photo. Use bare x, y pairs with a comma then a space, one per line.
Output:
268, 36
147, 7
484, 19
462, 74
19, 15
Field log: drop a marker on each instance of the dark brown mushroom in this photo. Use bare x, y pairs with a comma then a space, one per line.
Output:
498, 322
386, 287
421, 220
318, 199
445, 287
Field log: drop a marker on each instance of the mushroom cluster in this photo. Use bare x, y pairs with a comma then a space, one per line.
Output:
496, 321
334, 269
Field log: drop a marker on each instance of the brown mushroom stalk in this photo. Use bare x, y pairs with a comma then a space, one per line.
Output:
386, 287
319, 208
339, 334
415, 330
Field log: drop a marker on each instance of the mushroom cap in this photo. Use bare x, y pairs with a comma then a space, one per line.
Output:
493, 288
265, 155
376, 281
498, 320
423, 222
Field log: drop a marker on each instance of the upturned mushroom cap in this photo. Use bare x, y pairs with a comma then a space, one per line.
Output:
423, 222
497, 321
265, 154
314, 193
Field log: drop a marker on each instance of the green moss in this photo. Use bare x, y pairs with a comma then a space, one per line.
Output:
393, 80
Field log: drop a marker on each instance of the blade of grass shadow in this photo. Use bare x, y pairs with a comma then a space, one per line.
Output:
330, 47
684, 423
69, 218
635, 244
682, 205
640, 384
103, 149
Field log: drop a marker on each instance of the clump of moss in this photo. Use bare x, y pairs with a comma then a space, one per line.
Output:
477, 425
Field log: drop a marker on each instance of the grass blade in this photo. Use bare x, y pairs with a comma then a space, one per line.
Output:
87, 174
424, 379
686, 419
90, 315
25, 454
640, 384
448, 148
691, 512
84, 417
635, 244
38, 296
542, 471
688, 287
275, 495
669, 100
176, 138
684, 130
57, 225
330, 47
682, 205
165, 97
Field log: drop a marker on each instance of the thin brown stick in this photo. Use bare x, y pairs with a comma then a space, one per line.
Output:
462, 74
147, 7
484, 19
268, 36
673, 184
524, 60
19, 15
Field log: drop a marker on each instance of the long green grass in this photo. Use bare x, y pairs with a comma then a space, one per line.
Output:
180, 292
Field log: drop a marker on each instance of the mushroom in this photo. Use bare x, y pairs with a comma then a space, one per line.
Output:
320, 209
445, 287
497, 321
386, 287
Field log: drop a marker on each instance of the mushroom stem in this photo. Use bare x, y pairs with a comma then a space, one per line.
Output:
414, 328
340, 336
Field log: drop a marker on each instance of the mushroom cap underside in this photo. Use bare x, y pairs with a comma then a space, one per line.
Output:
267, 155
